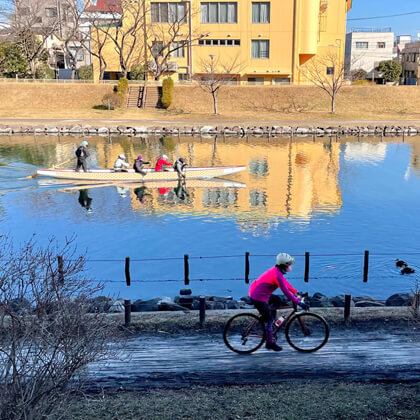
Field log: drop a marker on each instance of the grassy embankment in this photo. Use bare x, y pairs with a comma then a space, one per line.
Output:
292, 400
252, 103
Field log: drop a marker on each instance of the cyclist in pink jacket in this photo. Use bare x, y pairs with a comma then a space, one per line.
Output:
261, 294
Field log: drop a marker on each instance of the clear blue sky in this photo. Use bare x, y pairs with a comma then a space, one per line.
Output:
402, 25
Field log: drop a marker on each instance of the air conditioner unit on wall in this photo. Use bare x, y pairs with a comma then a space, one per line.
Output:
172, 66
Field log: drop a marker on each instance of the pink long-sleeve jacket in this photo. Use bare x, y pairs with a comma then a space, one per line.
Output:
263, 287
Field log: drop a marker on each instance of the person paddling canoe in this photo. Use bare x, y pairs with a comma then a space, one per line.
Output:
82, 154
161, 162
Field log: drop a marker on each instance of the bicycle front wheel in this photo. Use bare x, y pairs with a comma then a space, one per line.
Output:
244, 333
307, 332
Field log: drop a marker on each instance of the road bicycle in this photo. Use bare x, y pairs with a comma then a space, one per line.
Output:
305, 331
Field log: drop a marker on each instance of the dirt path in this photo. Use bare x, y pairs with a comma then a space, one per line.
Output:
177, 360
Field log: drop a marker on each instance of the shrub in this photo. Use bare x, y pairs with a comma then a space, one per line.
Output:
137, 72
361, 82
167, 87
44, 71
358, 74
122, 86
391, 70
115, 100
85, 73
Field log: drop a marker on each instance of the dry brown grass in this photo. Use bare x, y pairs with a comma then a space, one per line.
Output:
47, 100
302, 102
253, 103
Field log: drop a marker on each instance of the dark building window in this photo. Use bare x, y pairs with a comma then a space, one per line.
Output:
51, 12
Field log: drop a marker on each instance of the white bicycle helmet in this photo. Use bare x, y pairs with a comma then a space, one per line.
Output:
165, 157
284, 259
122, 157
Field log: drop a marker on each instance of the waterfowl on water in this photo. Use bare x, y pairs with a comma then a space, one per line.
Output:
407, 270
400, 263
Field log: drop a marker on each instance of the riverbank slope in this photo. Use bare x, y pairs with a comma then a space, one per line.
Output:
193, 105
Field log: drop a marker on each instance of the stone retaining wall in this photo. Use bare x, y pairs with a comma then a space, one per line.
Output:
234, 131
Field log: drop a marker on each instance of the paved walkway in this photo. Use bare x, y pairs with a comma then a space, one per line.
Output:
189, 122
175, 361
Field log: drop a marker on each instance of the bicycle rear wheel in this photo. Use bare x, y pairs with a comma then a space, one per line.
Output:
307, 332
244, 333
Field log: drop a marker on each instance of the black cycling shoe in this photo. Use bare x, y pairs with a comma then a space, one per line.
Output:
273, 346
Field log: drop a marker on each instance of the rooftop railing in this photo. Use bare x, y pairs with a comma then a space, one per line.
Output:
371, 30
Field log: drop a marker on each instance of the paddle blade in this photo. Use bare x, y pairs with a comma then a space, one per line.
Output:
31, 176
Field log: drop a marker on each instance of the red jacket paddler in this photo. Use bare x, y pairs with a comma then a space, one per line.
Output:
162, 161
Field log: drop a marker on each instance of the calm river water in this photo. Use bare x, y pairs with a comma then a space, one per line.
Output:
332, 198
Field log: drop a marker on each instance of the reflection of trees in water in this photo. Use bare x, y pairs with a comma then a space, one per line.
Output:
219, 197
257, 198
415, 158
32, 154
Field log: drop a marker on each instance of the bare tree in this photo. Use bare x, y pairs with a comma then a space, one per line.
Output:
327, 73
46, 336
30, 28
128, 34
96, 37
215, 74
169, 36
73, 36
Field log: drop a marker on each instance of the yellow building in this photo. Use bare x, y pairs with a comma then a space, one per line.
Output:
270, 41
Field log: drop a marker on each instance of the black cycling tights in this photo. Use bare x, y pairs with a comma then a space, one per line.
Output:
264, 307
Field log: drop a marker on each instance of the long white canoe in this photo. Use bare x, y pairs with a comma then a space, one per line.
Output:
131, 176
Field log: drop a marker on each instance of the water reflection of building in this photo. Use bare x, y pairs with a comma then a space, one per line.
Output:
365, 152
284, 179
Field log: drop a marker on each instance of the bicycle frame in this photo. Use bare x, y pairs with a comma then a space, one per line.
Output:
276, 329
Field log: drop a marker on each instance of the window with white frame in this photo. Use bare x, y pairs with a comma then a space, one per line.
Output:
255, 80
362, 45
261, 12
223, 12
77, 53
178, 49
164, 12
51, 12
260, 48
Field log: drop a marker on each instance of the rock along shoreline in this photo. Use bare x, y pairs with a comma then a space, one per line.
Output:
207, 130
187, 302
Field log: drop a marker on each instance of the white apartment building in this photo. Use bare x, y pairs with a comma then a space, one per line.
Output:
366, 48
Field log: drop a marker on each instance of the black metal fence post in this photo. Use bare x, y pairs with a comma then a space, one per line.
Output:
306, 278
186, 270
366, 267
202, 310
127, 312
247, 267
127, 271
347, 303
60, 264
